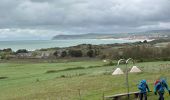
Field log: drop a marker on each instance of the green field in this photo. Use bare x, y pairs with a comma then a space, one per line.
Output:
64, 81
164, 44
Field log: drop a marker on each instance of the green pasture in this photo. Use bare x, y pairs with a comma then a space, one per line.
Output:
83, 80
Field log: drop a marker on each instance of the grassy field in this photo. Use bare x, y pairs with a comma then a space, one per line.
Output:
164, 44
87, 80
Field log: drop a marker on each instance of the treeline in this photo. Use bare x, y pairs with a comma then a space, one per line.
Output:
145, 52
4, 54
141, 51
88, 51
8, 53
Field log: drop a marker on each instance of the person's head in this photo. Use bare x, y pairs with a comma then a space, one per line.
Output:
143, 81
163, 81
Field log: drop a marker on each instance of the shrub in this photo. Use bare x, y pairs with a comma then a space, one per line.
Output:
63, 76
90, 53
21, 51
55, 53
51, 71
103, 57
63, 54
7, 50
75, 53
3, 77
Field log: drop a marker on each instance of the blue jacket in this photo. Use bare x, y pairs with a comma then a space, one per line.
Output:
160, 87
143, 87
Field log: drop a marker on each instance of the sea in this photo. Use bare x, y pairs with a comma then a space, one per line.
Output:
40, 44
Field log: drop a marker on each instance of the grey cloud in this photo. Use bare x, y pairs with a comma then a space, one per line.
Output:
84, 15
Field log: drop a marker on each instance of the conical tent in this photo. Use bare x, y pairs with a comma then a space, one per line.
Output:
118, 71
135, 69
104, 60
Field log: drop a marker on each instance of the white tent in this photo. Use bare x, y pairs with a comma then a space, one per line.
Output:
135, 69
105, 61
118, 71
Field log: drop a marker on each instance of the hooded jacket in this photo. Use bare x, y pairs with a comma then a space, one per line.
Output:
143, 87
160, 86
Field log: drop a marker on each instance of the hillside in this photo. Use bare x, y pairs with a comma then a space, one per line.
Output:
152, 34
89, 36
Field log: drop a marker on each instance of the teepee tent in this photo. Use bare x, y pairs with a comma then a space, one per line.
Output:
105, 61
135, 69
118, 71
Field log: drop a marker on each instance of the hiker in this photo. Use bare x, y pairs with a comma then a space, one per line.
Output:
159, 88
143, 87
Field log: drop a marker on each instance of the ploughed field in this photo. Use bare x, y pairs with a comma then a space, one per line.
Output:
85, 80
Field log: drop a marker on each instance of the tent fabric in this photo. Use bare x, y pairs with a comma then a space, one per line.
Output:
104, 60
135, 69
118, 71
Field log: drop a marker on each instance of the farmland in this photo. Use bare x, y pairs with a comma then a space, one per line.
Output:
87, 80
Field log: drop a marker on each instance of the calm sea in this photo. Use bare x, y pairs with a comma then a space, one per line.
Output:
38, 44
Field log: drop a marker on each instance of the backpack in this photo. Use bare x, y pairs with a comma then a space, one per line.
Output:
156, 82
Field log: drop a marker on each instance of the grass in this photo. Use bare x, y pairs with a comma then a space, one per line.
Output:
64, 81
164, 44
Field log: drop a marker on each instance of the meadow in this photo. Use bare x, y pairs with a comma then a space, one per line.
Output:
76, 80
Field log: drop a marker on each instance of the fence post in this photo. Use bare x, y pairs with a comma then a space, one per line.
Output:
79, 94
103, 96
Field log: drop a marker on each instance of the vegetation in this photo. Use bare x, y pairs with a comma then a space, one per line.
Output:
78, 71
75, 53
63, 54
55, 53
142, 51
21, 51
90, 53
91, 78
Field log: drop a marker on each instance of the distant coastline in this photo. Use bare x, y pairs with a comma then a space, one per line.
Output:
39, 44
137, 39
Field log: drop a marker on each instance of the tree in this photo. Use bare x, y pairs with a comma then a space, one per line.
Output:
96, 52
90, 53
63, 54
55, 53
75, 53
89, 46
7, 50
145, 41
21, 51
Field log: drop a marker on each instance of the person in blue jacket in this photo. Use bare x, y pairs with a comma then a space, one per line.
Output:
143, 87
160, 88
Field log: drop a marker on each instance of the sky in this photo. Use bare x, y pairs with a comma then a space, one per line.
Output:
42, 19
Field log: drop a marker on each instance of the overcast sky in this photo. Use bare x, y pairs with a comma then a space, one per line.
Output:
42, 19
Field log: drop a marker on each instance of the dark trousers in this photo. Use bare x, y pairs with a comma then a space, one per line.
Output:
143, 95
161, 96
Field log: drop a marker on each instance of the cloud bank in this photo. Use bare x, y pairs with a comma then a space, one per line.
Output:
49, 17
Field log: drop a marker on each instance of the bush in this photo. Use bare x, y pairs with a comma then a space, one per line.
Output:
145, 41
166, 59
75, 53
3, 77
63, 76
90, 53
103, 57
51, 71
63, 54
55, 53
7, 50
21, 51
